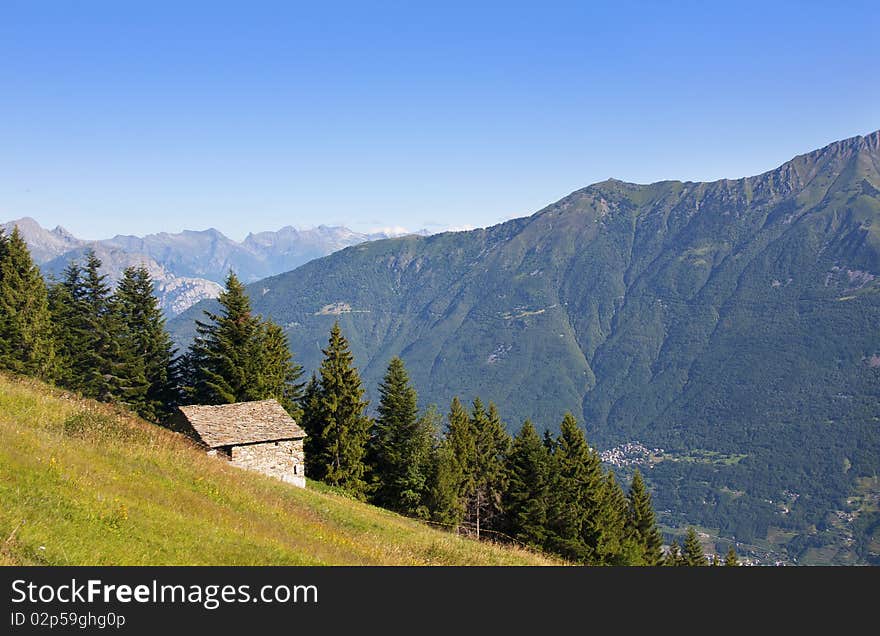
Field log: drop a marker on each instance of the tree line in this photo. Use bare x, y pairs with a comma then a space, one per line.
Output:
113, 346
468, 473
463, 471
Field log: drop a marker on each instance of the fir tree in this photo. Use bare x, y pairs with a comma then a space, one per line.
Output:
224, 357
396, 415
278, 374
673, 556
445, 504
730, 559
613, 546
642, 523
152, 377
549, 442
526, 496
26, 334
400, 445
315, 446
693, 551
415, 486
576, 495
491, 444
70, 327
106, 366
462, 451
340, 411
238, 357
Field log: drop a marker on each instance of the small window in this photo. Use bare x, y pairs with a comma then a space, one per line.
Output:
295, 472
276, 443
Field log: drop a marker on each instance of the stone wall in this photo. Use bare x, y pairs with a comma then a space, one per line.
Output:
284, 460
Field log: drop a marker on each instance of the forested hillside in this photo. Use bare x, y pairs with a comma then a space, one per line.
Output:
731, 324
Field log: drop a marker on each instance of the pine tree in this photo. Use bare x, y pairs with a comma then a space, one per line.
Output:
5, 340
400, 445
151, 378
492, 444
278, 374
642, 523
730, 559
693, 550
70, 327
340, 410
315, 446
462, 454
26, 334
614, 546
549, 442
673, 556
238, 357
526, 496
416, 483
396, 415
576, 495
106, 366
224, 357
445, 504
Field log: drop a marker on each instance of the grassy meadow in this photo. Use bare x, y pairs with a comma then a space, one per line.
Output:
83, 483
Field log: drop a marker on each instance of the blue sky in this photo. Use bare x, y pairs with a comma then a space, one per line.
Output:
137, 117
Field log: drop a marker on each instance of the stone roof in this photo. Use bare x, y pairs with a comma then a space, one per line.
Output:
242, 423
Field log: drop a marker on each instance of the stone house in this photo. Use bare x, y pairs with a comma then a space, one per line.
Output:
258, 436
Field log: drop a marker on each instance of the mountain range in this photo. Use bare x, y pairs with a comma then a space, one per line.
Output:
191, 265
721, 336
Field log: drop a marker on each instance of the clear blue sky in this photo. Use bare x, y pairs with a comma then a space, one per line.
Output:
136, 117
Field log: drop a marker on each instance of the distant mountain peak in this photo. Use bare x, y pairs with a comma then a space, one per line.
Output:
62, 231
189, 266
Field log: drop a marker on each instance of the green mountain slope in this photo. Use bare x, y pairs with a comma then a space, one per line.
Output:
735, 319
84, 484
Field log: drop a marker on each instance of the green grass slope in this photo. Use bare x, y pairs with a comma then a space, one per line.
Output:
82, 483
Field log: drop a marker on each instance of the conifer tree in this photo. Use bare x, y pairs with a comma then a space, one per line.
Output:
152, 375
397, 413
106, 366
576, 495
642, 523
224, 357
673, 556
26, 338
5, 341
730, 559
445, 504
238, 357
70, 327
462, 452
528, 480
614, 546
549, 442
417, 482
344, 428
315, 446
400, 445
693, 551
491, 443
278, 374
